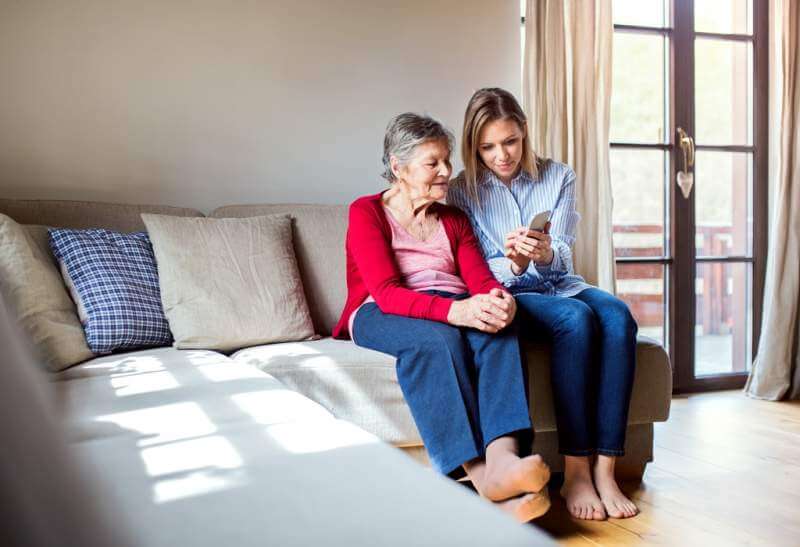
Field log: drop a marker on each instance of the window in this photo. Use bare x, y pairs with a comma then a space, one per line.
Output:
691, 266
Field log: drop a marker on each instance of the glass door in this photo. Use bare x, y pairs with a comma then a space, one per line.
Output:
688, 160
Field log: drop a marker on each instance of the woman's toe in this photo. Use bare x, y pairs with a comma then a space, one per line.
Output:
614, 511
573, 510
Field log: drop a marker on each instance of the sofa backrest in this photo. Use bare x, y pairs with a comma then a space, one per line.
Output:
318, 234
86, 214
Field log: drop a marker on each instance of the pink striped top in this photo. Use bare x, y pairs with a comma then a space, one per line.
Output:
425, 265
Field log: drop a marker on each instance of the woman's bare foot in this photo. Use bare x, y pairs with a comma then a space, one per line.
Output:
617, 504
578, 491
526, 507
507, 475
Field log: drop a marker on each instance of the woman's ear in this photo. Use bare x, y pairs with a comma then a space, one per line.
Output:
394, 164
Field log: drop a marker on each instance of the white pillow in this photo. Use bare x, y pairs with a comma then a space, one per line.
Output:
229, 283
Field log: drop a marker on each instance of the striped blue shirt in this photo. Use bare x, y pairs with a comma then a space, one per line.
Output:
502, 209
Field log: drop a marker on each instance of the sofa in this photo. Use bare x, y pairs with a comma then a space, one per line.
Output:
170, 426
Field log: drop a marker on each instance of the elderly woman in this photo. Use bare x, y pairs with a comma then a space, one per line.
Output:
420, 290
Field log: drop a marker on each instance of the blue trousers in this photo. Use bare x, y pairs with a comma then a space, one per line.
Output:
465, 388
593, 337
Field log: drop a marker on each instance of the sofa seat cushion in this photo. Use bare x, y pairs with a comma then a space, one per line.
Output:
291, 484
168, 394
360, 385
355, 384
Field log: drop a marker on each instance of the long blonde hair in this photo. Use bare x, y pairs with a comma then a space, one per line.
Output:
488, 105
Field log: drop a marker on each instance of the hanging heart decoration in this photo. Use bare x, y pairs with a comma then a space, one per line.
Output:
685, 182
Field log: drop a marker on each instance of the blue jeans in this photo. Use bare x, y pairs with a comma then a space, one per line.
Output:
593, 337
465, 388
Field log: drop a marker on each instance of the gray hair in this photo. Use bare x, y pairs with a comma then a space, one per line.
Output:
407, 131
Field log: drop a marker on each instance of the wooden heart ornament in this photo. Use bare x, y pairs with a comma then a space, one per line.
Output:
685, 182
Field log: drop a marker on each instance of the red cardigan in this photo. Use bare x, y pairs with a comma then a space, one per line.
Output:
372, 270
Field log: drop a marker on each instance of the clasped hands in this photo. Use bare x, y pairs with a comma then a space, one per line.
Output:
490, 312
523, 245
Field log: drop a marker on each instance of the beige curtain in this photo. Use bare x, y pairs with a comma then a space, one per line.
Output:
776, 370
567, 97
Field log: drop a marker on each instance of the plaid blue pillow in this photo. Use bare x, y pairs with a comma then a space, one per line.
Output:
115, 281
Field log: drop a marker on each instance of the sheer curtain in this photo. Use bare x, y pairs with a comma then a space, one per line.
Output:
776, 370
567, 97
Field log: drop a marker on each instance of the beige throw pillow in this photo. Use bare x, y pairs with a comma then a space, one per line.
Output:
229, 283
34, 290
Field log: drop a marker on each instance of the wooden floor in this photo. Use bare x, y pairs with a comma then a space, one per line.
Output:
726, 471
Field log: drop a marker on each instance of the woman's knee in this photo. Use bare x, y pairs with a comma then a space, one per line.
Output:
617, 317
574, 318
441, 340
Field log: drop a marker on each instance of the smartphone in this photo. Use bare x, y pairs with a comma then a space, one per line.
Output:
540, 222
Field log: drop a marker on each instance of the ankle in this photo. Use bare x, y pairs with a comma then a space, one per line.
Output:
577, 468
502, 448
501, 453
604, 471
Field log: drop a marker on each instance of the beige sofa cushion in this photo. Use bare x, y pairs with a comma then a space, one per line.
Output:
360, 385
229, 283
163, 395
293, 484
355, 384
319, 232
33, 287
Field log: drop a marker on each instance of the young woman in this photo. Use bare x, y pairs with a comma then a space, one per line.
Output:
419, 289
593, 334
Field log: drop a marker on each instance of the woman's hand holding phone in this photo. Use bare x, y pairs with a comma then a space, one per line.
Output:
517, 255
530, 242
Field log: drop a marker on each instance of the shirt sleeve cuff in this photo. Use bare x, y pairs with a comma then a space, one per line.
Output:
441, 309
556, 265
501, 269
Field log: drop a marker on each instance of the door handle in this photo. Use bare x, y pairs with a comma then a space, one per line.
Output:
685, 178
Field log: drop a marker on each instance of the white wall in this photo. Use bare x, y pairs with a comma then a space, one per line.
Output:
205, 103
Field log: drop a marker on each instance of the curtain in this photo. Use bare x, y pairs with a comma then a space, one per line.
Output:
567, 97
776, 370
